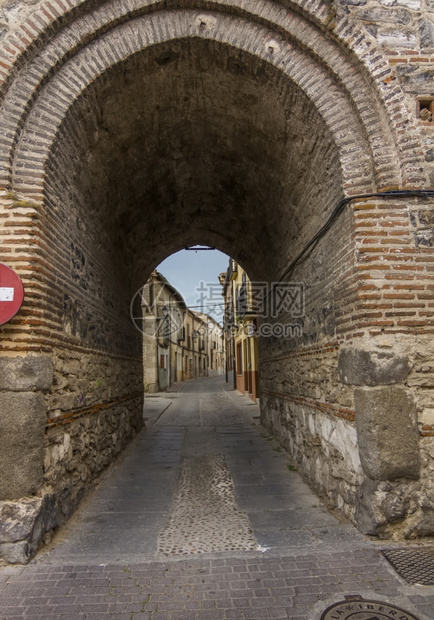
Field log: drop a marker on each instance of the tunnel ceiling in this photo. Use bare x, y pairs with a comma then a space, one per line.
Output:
195, 142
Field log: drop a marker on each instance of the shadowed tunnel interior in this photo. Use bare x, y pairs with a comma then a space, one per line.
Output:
193, 142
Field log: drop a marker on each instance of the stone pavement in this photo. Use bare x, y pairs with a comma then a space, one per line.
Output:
204, 517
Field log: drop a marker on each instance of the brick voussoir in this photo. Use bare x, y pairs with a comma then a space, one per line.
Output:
79, 81
281, 13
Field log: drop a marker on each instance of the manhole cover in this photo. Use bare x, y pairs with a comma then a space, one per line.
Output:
356, 608
416, 566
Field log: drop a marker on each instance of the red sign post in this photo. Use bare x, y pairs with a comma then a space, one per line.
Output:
11, 293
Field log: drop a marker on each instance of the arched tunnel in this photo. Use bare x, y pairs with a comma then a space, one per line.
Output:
195, 142
131, 136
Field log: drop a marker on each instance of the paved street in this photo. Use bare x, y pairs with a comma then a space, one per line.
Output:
204, 517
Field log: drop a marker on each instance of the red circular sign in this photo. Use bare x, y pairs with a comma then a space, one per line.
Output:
11, 293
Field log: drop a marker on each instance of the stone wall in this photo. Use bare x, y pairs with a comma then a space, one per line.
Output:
76, 453
404, 31
353, 401
63, 418
303, 400
71, 371
94, 409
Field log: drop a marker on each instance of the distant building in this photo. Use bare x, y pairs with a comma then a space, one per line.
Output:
195, 346
178, 343
216, 348
240, 326
164, 312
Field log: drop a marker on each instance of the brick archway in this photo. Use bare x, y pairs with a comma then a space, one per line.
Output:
299, 44
132, 131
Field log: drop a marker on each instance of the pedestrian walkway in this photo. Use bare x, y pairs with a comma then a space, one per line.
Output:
204, 517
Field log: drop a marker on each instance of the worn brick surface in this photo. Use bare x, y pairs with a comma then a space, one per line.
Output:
172, 590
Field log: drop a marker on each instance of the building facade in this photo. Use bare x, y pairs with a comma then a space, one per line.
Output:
215, 345
177, 342
195, 350
240, 330
164, 311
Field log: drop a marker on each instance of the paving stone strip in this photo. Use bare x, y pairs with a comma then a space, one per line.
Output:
204, 516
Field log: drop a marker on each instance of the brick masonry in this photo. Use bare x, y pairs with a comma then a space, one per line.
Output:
249, 122
298, 587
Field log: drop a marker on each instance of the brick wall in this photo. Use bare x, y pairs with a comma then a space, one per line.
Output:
367, 326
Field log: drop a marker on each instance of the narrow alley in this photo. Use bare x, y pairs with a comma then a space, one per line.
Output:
203, 517
200, 478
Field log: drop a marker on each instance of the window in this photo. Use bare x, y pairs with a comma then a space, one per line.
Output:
425, 109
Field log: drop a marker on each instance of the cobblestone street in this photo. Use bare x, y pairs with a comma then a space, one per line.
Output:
204, 517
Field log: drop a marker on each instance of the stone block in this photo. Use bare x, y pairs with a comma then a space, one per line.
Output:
370, 512
413, 5
416, 79
354, 2
377, 15
15, 553
424, 524
426, 33
386, 422
23, 525
23, 374
22, 425
397, 39
424, 238
17, 519
359, 367
426, 217
391, 509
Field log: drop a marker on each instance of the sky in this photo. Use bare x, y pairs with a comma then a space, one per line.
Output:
195, 275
